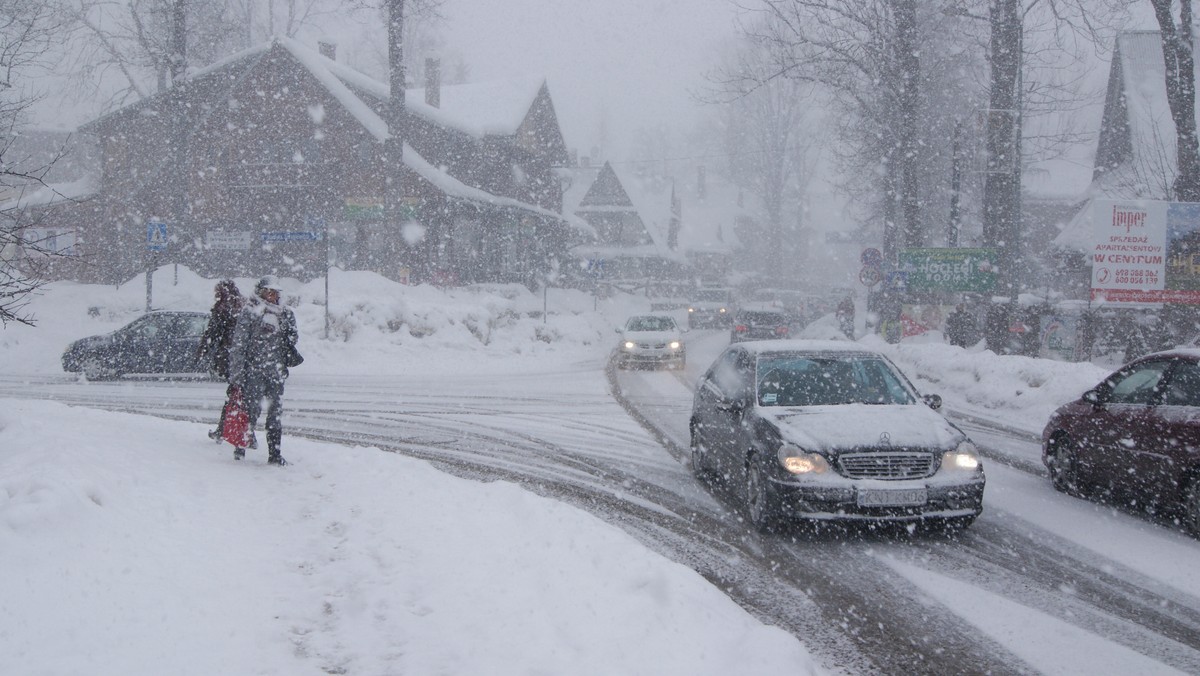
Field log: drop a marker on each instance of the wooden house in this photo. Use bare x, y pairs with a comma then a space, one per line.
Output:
272, 160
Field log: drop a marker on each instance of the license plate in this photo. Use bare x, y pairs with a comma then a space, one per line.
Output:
903, 497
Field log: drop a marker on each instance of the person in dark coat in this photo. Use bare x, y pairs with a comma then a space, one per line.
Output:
264, 343
845, 316
960, 326
214, 343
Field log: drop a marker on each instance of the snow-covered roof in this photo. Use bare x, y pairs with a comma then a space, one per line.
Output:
495, 107
653, 208
455, 188
1137, 136
44, 195
499, 111
581, 180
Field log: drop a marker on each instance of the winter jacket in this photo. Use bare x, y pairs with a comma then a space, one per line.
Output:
264, 335
218, 335
960, 328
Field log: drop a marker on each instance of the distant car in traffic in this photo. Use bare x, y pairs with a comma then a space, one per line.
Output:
158, 342
710, 307
1134, 439
823, 430
760, 324
651, 340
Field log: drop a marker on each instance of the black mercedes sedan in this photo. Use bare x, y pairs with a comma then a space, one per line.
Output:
159, 342
830, 431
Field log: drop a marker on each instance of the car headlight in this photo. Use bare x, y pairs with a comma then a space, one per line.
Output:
674, 345
691, 309
797, 461
629, 345
966, 456
722, 310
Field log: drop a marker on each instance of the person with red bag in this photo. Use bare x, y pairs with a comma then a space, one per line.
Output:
214, 343
262, 350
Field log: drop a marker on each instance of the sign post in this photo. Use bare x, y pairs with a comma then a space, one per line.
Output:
156, 242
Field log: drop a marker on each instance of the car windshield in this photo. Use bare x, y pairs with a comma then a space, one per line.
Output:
712, 295
807, 380
761, 318
650, 324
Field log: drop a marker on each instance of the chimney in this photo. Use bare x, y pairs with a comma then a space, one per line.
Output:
328, 49
433, 82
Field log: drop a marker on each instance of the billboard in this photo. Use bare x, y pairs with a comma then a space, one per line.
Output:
950, 270
1145, 252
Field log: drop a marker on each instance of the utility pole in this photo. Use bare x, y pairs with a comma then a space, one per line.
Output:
393, 145
1002, 184
178, 129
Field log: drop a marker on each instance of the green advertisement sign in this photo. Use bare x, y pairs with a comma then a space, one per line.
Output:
952, 270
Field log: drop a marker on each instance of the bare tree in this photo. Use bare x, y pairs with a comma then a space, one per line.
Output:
768, 132
27, 33
868, 54
1177, 46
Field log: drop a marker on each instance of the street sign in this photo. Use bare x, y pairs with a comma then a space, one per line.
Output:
229, 240
595, 267
949, 269
156, 235
872, 257
292, 236
870, 275
896, 281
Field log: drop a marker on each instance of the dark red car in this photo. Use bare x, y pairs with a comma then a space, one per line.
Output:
760, 325
1134, 438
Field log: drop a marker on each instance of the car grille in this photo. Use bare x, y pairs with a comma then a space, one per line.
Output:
652, 346
887, 465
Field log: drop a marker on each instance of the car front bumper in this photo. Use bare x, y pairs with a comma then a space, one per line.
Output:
702, 317
841, 500
650, 357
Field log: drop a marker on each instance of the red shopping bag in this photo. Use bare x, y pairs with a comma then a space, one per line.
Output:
236, 429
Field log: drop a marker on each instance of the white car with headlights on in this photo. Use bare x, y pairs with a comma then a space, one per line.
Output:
827, 430
651, 340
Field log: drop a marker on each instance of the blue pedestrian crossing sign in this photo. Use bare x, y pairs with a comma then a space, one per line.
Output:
156, 235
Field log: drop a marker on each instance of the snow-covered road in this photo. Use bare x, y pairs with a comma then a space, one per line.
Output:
1062, 585
1041, 583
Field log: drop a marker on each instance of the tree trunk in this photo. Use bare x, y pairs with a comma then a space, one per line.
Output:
909, 65
1002, 184
393, 152
1181, 95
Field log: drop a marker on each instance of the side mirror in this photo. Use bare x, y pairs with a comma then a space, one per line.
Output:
1092, 397
933, 401
735, 405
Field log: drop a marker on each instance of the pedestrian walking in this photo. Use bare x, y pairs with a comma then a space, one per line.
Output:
960, 326
845, 316
217, 336
263, 348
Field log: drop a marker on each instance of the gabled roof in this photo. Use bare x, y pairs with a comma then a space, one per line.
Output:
349, 87
597, 190
1137, 134
1135, 155
480, 109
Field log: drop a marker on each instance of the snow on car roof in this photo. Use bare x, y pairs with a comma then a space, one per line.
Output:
761, 347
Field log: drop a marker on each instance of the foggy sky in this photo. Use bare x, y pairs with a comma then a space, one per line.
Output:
633, 59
